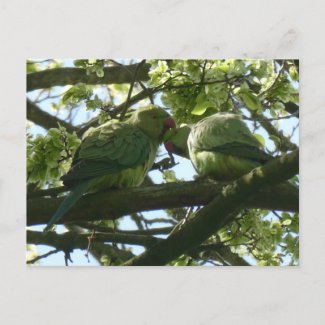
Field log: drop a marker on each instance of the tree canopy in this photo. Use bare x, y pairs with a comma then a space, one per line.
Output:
167, 220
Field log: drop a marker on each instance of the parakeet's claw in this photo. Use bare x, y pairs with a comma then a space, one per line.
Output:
164, 164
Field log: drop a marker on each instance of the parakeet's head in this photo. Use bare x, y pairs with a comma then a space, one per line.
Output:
175, 141
153, 120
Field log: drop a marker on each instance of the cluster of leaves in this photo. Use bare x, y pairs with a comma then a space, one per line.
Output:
269, 241
82, 93
91, 66
198, 88
35, 65
49, 156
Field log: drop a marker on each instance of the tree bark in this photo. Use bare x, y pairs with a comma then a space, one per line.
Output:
44, 119
114, 204
71, 76
67, 242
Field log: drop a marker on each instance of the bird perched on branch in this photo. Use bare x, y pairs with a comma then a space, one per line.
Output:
115, 155
220, 146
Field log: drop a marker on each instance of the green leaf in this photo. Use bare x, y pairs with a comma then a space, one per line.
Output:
244, 87
278, 106
94, 103
287, 222
260, 139
80, 63
250, 100
200, 108
293, 73
162, 66
77, 93
202, 104
169, 176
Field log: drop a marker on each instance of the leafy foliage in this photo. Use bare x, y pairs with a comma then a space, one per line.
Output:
265, 92
48, 156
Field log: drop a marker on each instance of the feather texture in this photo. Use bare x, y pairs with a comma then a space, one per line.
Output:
114, 155
220, 146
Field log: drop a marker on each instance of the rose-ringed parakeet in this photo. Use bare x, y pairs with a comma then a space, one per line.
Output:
115, 155
220, 146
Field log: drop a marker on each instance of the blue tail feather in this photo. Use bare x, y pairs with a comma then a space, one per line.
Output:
68, 203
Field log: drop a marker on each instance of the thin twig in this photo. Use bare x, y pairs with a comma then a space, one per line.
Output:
131, 89
139, 81
263, 119
32, 261
275, 80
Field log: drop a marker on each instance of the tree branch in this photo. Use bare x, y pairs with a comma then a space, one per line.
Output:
62, 241
220, 211
103, 229
37, 258
111, 204
69, 241
44, 119
285, 144
72, 76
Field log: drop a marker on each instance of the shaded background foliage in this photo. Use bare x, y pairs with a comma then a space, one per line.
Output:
66, 97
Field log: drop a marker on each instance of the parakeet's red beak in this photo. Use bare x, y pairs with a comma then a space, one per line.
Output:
169, 146
169, 123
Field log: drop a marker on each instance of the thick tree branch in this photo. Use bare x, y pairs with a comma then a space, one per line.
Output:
103, 229
220, 211
113, 204
69, 241
72, 239
72, 76
44, 119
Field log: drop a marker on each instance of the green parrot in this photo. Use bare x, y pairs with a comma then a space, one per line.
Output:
115, 155
220, 146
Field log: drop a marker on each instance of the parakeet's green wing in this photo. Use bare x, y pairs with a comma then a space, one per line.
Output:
105, 150
108, 149
227, 134
242, 151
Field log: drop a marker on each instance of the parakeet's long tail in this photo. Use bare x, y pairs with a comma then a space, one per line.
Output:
67, 203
